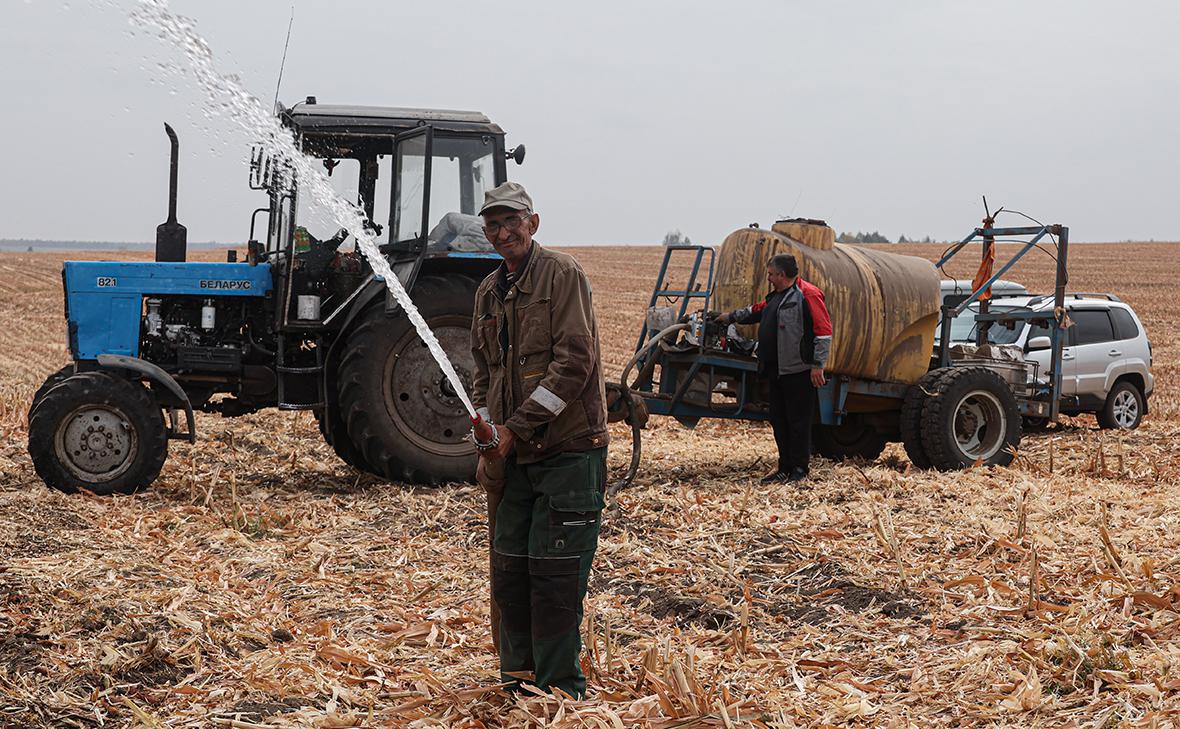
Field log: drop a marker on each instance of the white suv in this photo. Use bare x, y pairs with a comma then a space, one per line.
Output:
1106, 356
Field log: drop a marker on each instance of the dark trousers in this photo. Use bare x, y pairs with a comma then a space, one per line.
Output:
546, 535
792, 402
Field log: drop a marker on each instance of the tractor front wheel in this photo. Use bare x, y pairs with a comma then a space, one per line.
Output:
99, 432
402, 414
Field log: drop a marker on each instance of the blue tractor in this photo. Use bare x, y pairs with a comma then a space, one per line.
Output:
301, 323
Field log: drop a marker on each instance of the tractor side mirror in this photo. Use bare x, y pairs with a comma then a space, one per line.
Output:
516, 153
1039, 343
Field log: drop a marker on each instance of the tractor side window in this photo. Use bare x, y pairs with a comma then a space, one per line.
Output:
463, 168
281, 225
410, 169
382, 194
312, 217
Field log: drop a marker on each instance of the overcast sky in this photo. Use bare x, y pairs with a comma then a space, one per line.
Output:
639, 116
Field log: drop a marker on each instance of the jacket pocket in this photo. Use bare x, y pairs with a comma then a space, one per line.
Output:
489, 340
533, 328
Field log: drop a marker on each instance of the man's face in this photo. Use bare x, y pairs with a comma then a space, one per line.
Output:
510, 231
778, 280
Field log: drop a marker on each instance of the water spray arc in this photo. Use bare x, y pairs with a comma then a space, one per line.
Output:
227, 97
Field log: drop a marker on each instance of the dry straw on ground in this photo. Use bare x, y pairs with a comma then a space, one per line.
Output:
261, 582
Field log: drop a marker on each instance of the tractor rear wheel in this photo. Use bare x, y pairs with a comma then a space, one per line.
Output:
854, 438
971, 418
340, 442
910, 418
100, 432
401, 413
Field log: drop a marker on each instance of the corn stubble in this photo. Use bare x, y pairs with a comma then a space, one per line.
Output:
261, 582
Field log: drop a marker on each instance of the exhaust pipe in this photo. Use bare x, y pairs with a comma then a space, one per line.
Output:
171, 236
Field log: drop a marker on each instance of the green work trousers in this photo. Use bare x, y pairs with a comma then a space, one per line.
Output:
546, 533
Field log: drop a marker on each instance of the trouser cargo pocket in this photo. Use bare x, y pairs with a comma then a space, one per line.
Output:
573, 522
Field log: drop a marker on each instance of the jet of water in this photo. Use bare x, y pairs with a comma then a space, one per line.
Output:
225, 96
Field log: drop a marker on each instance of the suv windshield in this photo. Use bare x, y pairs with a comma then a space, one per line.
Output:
964, 329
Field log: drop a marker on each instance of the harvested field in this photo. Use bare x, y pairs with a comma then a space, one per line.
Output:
261, 582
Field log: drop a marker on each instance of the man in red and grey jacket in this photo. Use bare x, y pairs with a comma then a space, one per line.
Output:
794, 338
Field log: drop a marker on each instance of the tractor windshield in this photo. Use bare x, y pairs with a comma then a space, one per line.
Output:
461, 169
390, 186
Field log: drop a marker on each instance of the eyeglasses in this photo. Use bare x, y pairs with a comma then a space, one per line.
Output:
512, 222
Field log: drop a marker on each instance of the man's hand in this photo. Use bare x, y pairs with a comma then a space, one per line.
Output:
722, 319
507, 444
817, 377
490, 476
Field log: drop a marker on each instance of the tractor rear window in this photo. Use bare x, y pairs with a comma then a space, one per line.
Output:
344, 176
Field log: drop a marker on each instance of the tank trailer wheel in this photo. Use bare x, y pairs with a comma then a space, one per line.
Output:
973, 418
854, 438
50, 382
99, 432
1123, 409
400, 411
910, 419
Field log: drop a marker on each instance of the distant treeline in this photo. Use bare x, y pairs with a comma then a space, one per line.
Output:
36, 244
876, 237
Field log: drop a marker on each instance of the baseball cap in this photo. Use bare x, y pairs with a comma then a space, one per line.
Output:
509, 195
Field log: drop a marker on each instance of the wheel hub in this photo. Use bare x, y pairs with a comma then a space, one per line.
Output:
980, 425
421, 401
96, 443
1126, 409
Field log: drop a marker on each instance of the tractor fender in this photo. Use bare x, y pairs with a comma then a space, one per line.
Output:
155, 374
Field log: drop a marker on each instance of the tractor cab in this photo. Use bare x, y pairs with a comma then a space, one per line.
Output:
419, 175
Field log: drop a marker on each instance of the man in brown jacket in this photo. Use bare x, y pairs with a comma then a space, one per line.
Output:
538, 377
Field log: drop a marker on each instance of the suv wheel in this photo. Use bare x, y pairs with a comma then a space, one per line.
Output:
1123, 409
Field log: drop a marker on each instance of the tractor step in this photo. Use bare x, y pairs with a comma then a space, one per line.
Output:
300, 370
300, 406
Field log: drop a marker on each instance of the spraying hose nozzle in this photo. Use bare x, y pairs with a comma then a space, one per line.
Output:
484, 433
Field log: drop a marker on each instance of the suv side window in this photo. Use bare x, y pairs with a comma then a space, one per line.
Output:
1124, 324
1092, 326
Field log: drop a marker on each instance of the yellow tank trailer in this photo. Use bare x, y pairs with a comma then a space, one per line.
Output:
884, 383
884, 306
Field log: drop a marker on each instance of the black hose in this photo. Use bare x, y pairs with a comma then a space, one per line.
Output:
629, 399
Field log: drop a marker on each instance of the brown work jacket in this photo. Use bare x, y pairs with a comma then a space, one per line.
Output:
538, 365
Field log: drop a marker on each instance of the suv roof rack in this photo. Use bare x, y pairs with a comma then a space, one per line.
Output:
1041, 298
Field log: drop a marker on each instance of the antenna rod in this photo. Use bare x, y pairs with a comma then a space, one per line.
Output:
283, 63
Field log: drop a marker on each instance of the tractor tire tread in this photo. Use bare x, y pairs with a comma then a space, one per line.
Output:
50, 382
356, 402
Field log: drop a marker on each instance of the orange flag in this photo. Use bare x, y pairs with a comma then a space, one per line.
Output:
984, 273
